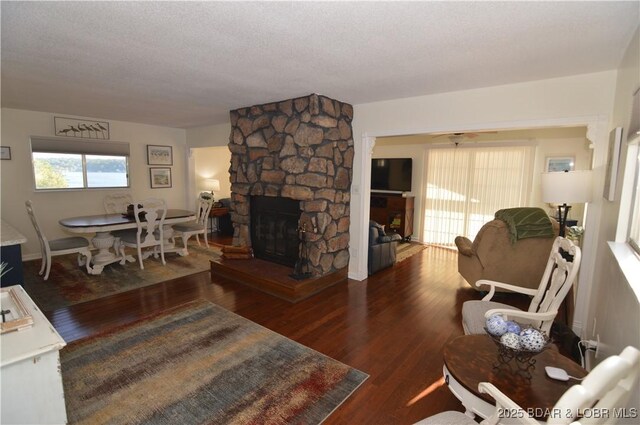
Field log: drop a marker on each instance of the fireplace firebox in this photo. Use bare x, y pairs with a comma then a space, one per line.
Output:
274, 229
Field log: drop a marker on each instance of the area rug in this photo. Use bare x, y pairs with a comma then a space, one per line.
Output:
70, 284
406, 250
201, 364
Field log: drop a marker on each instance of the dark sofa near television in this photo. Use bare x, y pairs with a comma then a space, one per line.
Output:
382, 248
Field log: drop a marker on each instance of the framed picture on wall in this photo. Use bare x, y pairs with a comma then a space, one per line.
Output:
560, 163
5, 152
159, 155
160, 177
74, 127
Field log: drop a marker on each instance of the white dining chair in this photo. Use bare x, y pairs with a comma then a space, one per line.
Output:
60, 246
117, 202
148, 232
197, 227
114, 204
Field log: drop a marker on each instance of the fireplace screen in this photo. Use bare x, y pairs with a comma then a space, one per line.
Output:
274, 229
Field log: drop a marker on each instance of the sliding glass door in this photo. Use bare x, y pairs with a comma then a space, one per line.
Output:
467, 185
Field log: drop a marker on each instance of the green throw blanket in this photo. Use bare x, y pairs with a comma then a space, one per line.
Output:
526, 223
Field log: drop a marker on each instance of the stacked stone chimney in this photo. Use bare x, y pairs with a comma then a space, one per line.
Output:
301, 149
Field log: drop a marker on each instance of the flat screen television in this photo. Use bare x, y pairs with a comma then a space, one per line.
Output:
392, 174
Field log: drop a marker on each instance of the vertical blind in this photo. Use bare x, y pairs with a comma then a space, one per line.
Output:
467, 185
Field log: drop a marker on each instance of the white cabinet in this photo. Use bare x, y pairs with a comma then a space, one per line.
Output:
30, 376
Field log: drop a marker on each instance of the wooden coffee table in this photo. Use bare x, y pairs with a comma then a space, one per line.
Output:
470, 359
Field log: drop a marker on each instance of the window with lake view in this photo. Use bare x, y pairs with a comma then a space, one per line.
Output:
61, 163
77, 171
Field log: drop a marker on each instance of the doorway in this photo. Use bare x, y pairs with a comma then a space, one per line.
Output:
470, 178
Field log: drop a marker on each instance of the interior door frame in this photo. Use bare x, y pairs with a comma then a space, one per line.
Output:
597, 133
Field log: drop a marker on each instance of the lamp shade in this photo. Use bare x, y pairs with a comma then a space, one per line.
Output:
213, 184
567, 187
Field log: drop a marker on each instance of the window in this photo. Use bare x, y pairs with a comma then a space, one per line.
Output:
634, 144
57, 171
74, 164
466, 186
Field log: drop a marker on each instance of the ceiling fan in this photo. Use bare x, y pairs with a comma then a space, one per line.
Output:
458, 138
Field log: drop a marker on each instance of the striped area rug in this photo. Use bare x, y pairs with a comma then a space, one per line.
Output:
201, 364
406, 250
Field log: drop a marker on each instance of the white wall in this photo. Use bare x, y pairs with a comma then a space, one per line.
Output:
18, 183
202, 164
569, 101
575, 147
207, 136
213, 163
615, 305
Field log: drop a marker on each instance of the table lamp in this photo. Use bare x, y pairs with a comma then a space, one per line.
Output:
214, 184
564, 188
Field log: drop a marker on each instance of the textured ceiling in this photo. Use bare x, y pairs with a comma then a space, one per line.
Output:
185, 64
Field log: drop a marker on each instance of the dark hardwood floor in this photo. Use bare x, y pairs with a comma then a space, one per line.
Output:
392, 326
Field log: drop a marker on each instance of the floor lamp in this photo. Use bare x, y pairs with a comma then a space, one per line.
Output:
564, 188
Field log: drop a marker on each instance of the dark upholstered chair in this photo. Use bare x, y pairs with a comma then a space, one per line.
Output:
382, 248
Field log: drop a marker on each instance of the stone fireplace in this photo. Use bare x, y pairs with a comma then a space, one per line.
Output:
295, 150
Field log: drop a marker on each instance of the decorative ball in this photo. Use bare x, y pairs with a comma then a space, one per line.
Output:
510, 340
513, 327
532, 340
496, 325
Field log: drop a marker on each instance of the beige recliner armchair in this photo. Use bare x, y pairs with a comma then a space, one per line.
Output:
492, 256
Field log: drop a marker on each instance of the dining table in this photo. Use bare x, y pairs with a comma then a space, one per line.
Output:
104, 224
